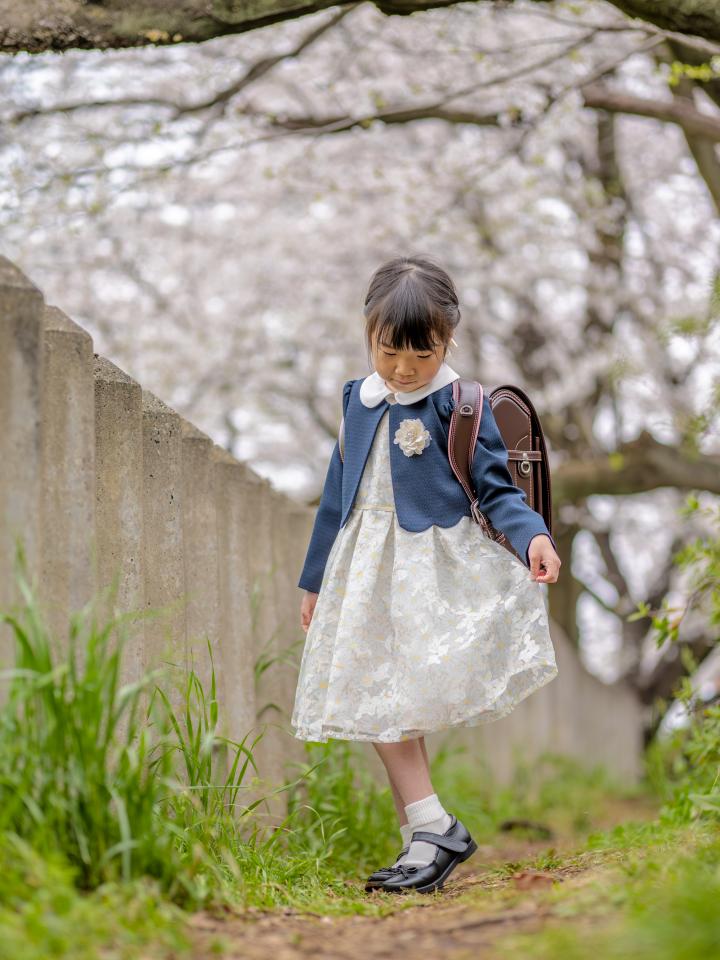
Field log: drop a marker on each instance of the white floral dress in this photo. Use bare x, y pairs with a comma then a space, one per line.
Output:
415, 632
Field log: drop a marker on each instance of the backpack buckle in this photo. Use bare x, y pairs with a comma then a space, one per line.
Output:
524, 466
465, 409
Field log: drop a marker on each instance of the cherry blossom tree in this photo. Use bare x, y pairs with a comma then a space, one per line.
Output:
212, 214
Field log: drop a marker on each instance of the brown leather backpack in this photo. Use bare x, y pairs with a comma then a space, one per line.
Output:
522, 434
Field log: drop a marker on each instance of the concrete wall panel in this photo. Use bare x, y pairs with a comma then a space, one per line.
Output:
21, 362
68, 470
119, 505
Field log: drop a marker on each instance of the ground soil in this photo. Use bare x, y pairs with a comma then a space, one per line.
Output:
478, 905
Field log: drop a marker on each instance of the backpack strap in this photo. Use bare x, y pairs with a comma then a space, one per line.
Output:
347, 390
462, 440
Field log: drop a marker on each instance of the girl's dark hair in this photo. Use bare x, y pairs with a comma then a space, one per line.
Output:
411, 303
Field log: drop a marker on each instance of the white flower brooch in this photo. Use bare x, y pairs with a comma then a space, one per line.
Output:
412, 437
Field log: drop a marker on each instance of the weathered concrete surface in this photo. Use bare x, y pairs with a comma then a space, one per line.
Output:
291, 533
162, 546
231, 482
21, 360
68, 471
119, 567
200, 552
265, 603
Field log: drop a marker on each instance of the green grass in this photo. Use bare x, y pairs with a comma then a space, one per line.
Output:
358, 817
657, 901
340, 813
121, 812
43, 914
116, 787
656, 895
121, 790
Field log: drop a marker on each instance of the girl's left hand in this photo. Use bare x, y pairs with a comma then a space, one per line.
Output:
544, 561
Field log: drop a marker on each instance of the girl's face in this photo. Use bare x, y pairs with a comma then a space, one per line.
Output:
406, 370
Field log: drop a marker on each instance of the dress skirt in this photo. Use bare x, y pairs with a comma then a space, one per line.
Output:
416, 632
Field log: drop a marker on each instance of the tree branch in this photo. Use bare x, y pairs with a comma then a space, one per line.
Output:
220, 99
682, 112
635, 467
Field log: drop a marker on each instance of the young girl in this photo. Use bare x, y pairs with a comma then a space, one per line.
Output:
416, 621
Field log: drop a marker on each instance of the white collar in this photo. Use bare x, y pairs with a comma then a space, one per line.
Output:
373, 389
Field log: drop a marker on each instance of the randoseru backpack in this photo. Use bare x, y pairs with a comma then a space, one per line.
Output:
522, 434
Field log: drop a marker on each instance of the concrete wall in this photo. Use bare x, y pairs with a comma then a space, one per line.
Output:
115, 496
112, 490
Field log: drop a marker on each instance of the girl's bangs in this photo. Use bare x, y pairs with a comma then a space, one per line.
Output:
406, 322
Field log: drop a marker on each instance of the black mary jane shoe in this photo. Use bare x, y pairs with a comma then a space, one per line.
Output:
453, 847
375, 879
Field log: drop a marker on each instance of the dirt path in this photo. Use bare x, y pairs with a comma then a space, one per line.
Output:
479, 904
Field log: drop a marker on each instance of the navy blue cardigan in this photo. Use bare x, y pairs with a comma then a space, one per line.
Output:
426, 489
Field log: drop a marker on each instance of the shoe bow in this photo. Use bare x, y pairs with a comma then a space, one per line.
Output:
404, 870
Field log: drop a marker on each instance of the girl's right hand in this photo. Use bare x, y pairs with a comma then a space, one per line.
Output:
307, 608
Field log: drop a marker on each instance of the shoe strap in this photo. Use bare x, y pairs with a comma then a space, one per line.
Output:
447, 843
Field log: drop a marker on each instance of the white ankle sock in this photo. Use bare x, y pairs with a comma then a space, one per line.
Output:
406, 832
426, 814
